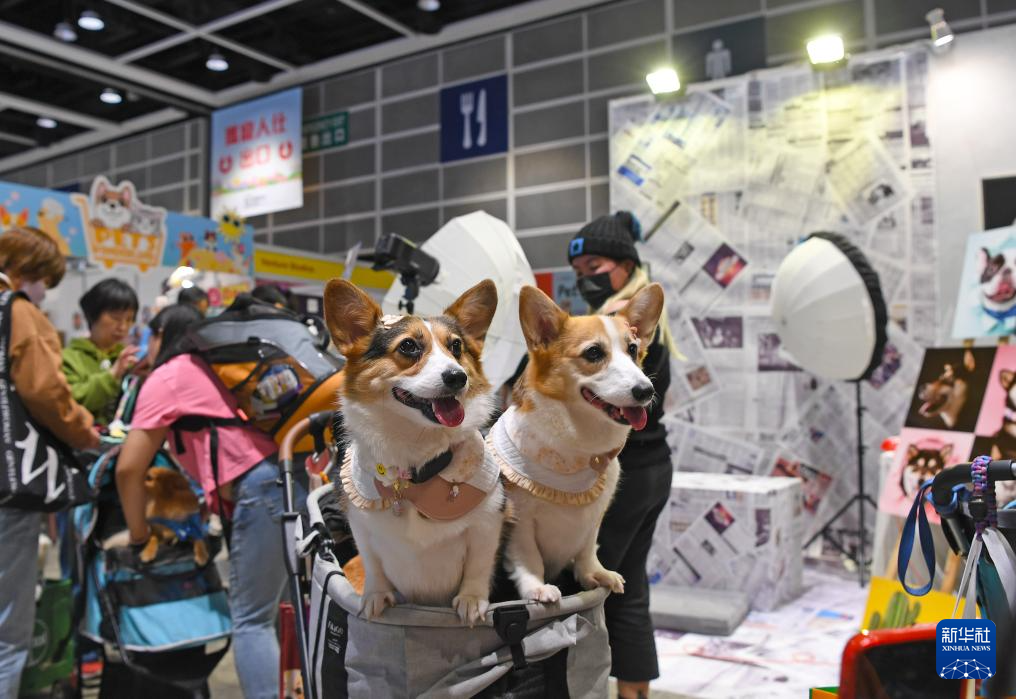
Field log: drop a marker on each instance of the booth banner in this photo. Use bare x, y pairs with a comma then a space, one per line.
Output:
54, 213
110, 226
269, 264
256, 159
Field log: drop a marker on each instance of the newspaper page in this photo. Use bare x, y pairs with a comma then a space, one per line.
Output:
697, 449
866, 180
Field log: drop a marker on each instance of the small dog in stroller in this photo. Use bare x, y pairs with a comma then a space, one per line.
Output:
174, 513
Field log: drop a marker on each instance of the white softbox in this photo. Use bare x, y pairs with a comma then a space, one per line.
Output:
472, 248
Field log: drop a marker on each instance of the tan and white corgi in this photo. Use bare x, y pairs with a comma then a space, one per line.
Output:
557, 444
423, 501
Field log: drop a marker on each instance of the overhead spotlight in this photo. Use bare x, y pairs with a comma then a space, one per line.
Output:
941, 33
91, 21
217, 62
65, 32
45, 123
826, 51
663, 81
111, 96
429, 5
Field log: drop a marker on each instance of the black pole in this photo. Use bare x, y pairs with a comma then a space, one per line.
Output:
860, 484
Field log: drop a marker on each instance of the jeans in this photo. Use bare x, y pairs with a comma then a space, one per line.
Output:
257, 577
19, 547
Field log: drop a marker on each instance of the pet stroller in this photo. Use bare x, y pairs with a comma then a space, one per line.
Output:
519, 650
163, 625
963, 496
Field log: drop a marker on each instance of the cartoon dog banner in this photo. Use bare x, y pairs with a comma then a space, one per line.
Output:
54, 213
986, 303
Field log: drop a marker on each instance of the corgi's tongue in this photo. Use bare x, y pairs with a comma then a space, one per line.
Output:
448, 411
636, 417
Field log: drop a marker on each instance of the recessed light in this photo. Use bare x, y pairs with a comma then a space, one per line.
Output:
217, 62
111, 96
45, 123
429, 5
65, 32
91, 21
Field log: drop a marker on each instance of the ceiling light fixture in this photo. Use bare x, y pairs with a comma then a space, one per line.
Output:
429, 5
46, 123
217, 62
65, 32
826, 51
111, 96
91, 21
663, 81
941, 33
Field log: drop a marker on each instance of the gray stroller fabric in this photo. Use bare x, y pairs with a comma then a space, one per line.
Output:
413, 651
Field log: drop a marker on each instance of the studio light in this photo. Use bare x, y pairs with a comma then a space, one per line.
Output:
429, 5
91, 21
663, 81
65, 32
826, 50
941, 33
46, 123
111, 96
217, 62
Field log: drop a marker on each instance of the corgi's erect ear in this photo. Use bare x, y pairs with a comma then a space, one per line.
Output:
475, 309
101, 190
350, 314
542, 319
643, 311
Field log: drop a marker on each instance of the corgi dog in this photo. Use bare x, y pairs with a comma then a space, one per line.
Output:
424, 503
173, 513
557, 444
112, 205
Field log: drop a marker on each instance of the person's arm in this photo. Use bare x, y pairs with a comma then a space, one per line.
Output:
35, 372
94, 390
131, 466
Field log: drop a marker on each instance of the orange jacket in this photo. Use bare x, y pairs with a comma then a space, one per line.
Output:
35, 371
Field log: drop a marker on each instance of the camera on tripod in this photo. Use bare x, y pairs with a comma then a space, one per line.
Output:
415, 267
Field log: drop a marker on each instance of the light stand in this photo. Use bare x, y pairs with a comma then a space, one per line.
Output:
860, 497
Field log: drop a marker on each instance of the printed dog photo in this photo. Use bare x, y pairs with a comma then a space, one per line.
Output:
1005, 491
950, 389
921, 455
986, 304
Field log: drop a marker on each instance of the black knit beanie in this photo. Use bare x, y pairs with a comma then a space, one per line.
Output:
612, 236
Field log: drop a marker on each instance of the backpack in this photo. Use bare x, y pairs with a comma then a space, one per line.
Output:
275, 362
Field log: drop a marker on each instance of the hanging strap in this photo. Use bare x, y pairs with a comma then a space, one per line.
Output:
917, 520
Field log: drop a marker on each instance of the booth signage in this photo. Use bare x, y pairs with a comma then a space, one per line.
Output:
256, 158
325, 132
280, 264
474, 119
110, 226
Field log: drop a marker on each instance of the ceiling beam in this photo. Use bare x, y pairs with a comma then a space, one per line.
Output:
24, 104
189, 32
92, 138
20, 140
379, 17
489, 23
104, 68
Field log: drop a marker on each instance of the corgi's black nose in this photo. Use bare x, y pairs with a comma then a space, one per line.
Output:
454, 378
643, 393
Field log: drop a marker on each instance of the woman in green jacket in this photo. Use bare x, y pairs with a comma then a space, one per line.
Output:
95, 365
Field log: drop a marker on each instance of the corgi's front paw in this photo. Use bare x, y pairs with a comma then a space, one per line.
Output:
602, 577
546, 593
470, 608
374, 603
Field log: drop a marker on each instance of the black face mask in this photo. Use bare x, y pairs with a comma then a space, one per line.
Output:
595, 289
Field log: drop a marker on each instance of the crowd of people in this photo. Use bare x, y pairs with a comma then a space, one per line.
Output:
74, 392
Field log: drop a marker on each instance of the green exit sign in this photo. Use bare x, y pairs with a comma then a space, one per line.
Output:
324, 132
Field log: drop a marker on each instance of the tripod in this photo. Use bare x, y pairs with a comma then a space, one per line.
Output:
860, 497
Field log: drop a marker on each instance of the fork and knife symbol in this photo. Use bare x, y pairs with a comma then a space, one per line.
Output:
470, 103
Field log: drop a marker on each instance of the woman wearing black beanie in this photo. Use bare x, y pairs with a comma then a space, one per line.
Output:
609, 271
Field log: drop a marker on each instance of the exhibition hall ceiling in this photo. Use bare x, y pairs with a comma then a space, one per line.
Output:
96, 70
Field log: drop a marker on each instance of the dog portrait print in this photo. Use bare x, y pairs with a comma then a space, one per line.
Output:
950, 389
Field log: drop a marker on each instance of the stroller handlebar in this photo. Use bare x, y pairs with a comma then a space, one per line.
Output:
941, 490
313, 506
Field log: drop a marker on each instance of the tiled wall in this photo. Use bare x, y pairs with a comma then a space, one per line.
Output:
561, 74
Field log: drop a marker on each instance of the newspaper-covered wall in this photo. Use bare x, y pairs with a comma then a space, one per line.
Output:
725, 180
